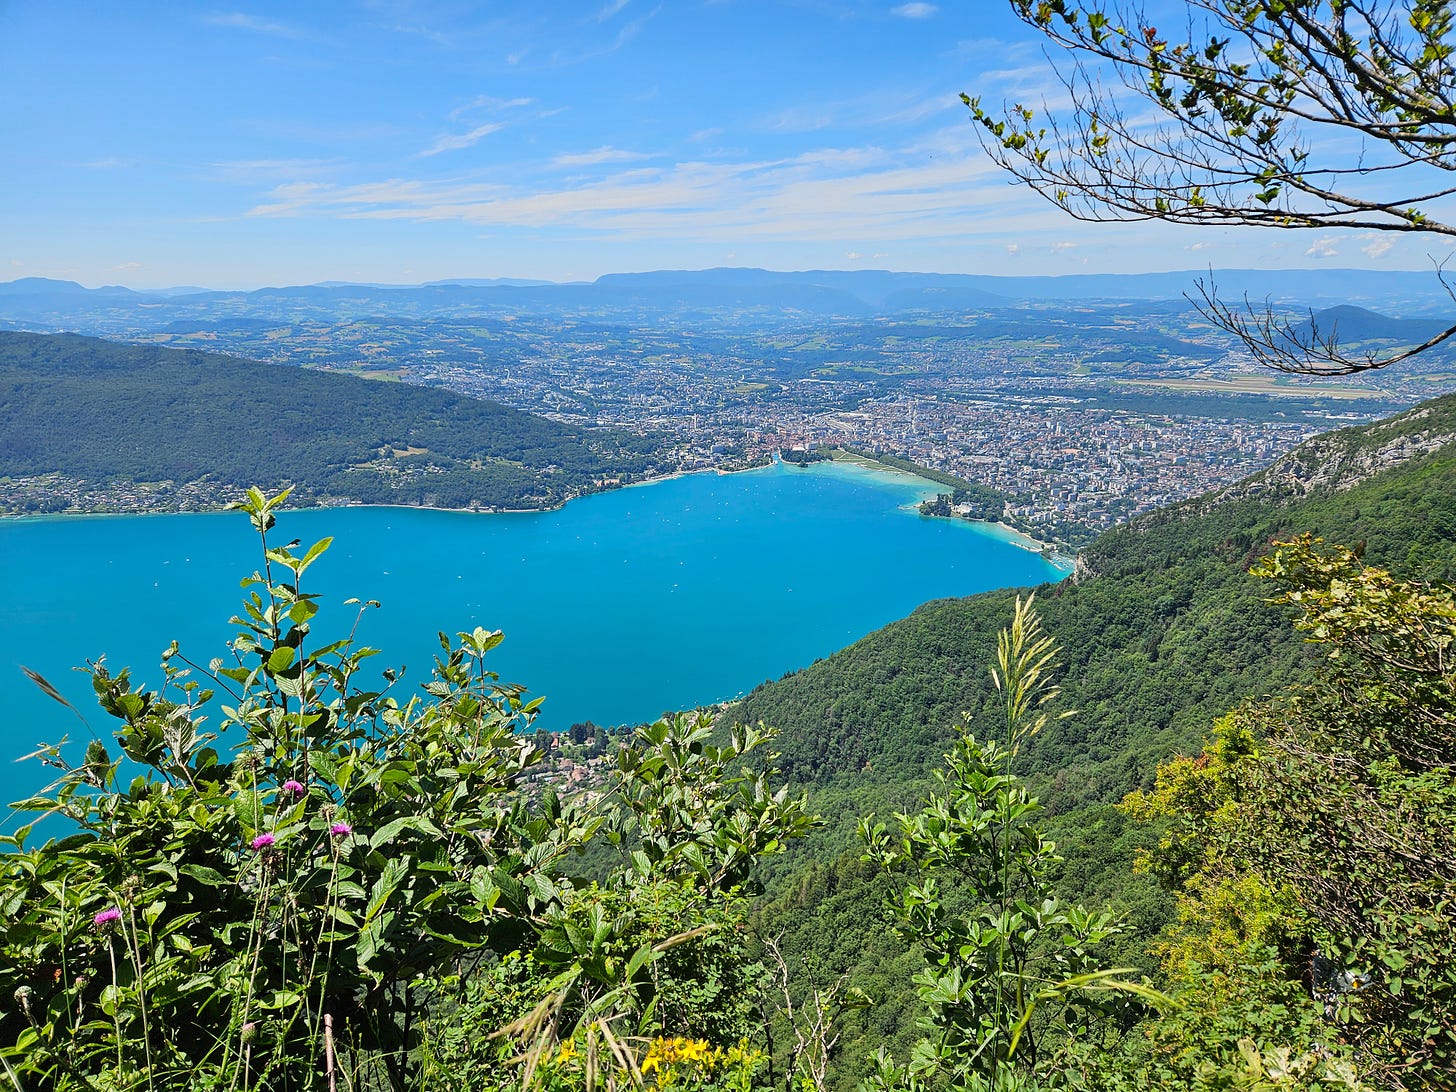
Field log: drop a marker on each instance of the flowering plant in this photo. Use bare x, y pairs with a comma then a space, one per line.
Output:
270, 942
221, 945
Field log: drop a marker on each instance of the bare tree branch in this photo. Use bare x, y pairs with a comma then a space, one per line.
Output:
1258, 103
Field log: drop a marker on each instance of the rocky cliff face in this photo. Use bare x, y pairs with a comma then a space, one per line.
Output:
1337, 461
1330, 463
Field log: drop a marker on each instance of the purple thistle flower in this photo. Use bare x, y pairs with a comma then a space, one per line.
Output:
263, 841
106, 917
338, 830
293, 788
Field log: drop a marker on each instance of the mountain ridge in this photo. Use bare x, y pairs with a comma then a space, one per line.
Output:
87, 410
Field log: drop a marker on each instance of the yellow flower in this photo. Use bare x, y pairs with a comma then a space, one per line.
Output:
567, 1052
665, 1053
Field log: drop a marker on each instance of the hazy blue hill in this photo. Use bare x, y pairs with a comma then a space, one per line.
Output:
32, 287
40, 286
1349, 324
1289, 286
712, 295
112, 414
1162, 630
876, 289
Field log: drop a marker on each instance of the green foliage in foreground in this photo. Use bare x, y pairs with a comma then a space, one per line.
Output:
1011, 983
1313, 844
362, 885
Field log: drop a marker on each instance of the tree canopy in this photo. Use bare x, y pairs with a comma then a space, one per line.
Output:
1274, 113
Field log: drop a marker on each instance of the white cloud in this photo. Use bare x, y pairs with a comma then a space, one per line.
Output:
1013, 249
915, 10
1200, 246
455, 142
611, 9
802, 119
852, 195
1063, 247
1378, 246
488, 103
126, 267
603, 154
1324, 247
852, 256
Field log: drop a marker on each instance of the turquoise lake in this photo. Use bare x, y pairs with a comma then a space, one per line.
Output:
616, 607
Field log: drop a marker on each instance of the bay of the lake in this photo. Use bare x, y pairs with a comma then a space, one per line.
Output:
616, 607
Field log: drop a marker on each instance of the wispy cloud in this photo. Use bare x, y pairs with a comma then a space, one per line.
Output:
802, 119
853, 195
594, 158
611, 9
455, 141
488, 103
242, 21
1326, 246
915, 10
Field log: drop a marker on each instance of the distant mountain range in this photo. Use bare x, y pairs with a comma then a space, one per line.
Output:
752, 295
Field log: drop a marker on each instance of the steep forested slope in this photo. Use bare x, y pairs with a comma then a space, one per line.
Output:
1161, 631
103, 413
1161, 627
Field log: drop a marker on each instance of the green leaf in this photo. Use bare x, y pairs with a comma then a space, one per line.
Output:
204, 875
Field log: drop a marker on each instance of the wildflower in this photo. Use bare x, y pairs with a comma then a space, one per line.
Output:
566, 1053
339, 830
663, 1054
293, 788
106, 917
263, 841
22, 998
250, 1031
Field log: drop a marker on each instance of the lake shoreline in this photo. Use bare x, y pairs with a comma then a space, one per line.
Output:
615, 610
1053, 553
213, 509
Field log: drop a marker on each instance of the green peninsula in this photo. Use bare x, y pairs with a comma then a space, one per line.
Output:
90, 425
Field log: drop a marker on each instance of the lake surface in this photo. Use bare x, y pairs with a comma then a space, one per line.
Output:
616, 608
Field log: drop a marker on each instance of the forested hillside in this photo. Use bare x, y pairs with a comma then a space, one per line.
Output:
128, 420
1162, 630
1161, 627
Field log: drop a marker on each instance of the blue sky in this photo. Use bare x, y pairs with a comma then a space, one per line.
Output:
161, 144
